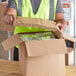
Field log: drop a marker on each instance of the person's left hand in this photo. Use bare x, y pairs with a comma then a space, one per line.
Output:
62, 27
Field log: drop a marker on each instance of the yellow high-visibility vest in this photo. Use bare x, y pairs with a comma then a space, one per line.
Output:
25, 10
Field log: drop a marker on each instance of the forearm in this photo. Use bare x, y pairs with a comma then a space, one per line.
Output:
62, 21
60, 18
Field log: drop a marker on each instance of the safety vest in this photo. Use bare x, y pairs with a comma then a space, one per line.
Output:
24, 9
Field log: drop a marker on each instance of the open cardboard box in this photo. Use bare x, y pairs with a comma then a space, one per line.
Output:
39, 57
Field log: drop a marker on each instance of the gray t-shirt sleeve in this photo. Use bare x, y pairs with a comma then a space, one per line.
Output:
59, 8
11, 4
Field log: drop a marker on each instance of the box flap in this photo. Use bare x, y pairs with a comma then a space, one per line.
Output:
43, 47
4, 27
69, 37
11, 42
39, 23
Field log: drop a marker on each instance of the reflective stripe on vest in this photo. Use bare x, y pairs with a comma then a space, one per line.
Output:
52, 9
20, 7
25, 10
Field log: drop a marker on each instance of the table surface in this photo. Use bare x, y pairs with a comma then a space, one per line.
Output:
11, 68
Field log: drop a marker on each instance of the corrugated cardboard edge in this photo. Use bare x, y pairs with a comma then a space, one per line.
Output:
11, 42
69, 37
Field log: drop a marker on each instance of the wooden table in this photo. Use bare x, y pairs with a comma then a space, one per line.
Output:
70, 71
11, 68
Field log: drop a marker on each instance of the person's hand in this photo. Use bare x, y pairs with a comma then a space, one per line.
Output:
61, 27
9, 19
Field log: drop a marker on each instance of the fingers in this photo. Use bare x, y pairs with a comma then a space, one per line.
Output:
62, 27
59, 26
10, 20
13, 19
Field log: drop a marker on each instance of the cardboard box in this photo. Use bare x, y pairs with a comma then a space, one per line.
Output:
46, 57
43, 57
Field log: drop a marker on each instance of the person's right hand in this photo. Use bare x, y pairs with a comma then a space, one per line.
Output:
9, 19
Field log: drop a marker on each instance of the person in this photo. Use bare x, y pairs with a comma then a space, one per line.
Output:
44, 9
